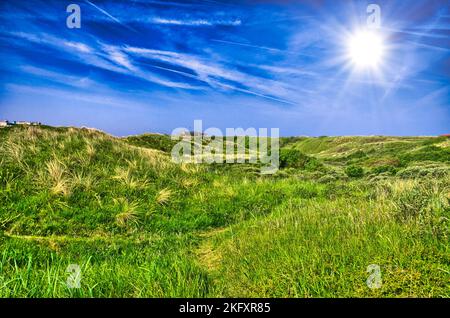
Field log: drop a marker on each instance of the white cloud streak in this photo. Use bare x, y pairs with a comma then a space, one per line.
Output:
75, 81
214, 74
124, 60
197, 22
107, 57
109, 15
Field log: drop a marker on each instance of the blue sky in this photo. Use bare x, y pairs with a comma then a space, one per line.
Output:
152, 66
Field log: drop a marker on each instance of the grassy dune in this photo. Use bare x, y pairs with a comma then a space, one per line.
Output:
139, 225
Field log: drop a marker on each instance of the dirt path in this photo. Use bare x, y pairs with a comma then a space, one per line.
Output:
207, 253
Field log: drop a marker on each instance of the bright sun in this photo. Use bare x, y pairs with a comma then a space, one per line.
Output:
366, 49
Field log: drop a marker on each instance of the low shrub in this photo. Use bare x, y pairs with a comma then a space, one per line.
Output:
385, 169
293, 158
354, 171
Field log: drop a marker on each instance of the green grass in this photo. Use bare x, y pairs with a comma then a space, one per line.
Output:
140, 225
321, 248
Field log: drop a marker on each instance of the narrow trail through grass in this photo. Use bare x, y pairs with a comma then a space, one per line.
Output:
208, 255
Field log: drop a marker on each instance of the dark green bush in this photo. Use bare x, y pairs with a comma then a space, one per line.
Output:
314, 165
385, 169
354, 171
293, 158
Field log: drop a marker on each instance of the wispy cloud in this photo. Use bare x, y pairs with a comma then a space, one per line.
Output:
250, 45
106, 99
118, 57
429, 46
287, 71
107, 57
217, 75
78, 46
198, 22
110, 15
262, 47
424, 33
70, 80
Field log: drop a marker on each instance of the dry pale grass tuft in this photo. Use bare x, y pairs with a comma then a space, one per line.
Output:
190, 168
125, 176
72, 131
154, 158
84, 180
163, 196
401, 186
229, 192
128, 214
58, 142
32, 148
90, 148
81, 158
387, 190
14, 151
57, 171
189, 183
61, 187
32, 133
133, 164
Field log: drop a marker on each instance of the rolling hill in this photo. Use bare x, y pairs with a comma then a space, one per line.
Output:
139, 225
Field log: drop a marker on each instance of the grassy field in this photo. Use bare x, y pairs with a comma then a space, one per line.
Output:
139, 225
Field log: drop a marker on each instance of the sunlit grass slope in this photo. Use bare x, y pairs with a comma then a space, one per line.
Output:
139, 225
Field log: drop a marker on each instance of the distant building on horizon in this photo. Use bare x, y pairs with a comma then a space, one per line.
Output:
7, 123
